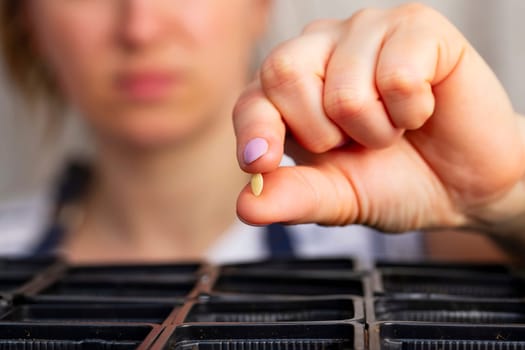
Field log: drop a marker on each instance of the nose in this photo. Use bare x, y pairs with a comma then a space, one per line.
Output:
141, 22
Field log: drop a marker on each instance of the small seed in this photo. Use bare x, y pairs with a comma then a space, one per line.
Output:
257, 184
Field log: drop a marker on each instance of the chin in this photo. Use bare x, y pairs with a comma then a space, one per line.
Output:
150, 134
153, 137
150, 127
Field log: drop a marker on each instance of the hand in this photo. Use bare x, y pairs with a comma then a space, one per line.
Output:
394, 121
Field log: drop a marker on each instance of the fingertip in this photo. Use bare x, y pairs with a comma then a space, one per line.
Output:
260, 132
260, 154
247, 209
274, 203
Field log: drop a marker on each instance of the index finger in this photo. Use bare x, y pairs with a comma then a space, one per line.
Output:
259, 130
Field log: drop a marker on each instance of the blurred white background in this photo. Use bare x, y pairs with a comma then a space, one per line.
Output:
29, 160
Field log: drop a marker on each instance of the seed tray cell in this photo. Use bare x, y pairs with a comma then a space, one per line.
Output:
413, 336
452, 284
338, 336
255, 310
76, 337
288, 284
127, 313
118, 288
276, 265
436, 266
10, 282
473, 311
133, 270
26, 266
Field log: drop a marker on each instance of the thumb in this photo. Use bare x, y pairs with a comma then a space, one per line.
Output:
300, 194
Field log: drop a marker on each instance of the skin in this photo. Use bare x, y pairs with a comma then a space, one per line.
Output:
142, 205
396, 94
395, 121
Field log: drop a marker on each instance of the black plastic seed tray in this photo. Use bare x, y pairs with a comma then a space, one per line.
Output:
13, 285
448, 282
337, 336
289, 283
5, 306
221, 309
29, 336
10, 282
115, 284
330, 264
134, 271
118, 290
16, 275
89, 313
26, 266
287, 304
413, 336
441, 266
474, 311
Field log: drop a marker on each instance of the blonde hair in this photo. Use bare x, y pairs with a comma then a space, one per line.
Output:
24, 66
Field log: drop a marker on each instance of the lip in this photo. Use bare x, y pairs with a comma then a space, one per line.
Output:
146, 86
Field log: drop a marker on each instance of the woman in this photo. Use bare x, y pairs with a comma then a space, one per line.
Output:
156, 81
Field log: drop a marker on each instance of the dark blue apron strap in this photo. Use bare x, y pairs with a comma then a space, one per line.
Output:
51, 241
279, 241
72, 185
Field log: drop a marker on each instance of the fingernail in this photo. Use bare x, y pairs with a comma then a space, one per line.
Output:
255, 149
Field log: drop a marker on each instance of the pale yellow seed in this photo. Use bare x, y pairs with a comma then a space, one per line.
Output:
257, 184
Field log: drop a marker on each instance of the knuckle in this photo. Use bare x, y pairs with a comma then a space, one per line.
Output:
246, 101
316, 25
280, 69
344, 103
415, 8
365, 13
398, 82
415, 11
362, 15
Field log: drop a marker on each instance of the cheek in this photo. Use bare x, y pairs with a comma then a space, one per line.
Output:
66, 40
223, 36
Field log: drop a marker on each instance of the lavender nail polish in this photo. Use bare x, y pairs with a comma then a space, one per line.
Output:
255, 149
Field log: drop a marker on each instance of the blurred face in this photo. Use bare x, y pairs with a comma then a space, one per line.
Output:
148, 72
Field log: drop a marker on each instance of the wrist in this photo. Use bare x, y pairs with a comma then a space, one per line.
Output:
503, 218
